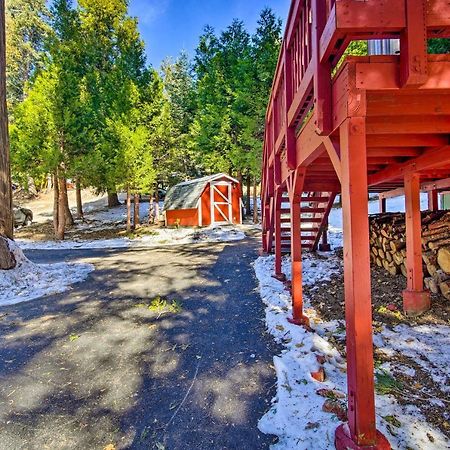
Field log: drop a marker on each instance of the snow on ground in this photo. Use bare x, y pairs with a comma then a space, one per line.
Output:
29, 281
118, 214
296, 416
427, 345
161, 236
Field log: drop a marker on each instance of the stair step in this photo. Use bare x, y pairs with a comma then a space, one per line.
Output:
312, 220
304, 210
313, 210
304, 220
316, 199
304, 230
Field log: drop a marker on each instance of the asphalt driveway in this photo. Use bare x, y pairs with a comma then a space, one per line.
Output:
95, 367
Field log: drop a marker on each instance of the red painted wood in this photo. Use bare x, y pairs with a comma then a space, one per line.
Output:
433, 200
277, 232
413, 45
361, 404
416, 300
295, 193
386, 131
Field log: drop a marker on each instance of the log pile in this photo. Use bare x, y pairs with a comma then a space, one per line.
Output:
388, 247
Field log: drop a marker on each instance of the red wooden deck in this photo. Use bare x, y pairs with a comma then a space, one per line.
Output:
378, 124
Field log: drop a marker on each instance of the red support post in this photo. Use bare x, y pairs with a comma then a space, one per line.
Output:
361, 432
324, 245
295, 196
277, 218
322, 76
433, 200
382, 205
415, 299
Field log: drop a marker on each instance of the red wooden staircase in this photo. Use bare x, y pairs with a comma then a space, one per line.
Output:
314, 212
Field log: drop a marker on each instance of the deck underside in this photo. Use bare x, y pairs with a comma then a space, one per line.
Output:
403, 127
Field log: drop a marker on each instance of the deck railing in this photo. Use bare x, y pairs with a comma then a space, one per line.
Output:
317, 34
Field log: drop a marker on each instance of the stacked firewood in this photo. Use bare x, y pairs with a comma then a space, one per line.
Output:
388, 247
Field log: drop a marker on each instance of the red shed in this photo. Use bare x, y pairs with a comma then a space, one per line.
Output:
215, 199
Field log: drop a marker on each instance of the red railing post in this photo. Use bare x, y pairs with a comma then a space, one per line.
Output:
291, 154
277, 216
413, 45
415, 299
277, 229
322, 73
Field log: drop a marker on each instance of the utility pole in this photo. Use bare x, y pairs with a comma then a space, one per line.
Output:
6, 217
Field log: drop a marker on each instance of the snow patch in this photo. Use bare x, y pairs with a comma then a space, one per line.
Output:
428, 346
29, 281
161, 236
296, 416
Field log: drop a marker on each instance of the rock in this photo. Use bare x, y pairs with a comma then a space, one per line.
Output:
7, 260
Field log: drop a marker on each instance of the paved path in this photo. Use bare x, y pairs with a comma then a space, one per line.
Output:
91, 367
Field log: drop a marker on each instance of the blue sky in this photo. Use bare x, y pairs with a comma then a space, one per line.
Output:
169, 26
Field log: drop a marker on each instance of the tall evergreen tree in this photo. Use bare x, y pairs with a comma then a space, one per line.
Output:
27, 28
180, 90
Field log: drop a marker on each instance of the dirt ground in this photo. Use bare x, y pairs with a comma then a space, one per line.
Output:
42, 206
328, 299
90, 228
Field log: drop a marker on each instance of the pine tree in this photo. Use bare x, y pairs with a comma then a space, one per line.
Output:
180, 90
27, 29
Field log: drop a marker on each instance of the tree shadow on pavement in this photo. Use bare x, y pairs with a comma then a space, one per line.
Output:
96, 366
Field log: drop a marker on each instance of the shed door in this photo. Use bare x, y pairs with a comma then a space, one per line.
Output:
221, 202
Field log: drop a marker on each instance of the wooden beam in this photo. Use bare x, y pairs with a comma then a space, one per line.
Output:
439, 185
400, 141
431, 158
334, 152
408, 124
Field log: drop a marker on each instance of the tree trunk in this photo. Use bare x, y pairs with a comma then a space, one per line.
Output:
255, 201
7, 259
240, 178
49, 183
61, 231
157, 193
68, 212
247, 200
128, 210
113, 199
55, 202
136, 221
31, 187
80, 213
6, 216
